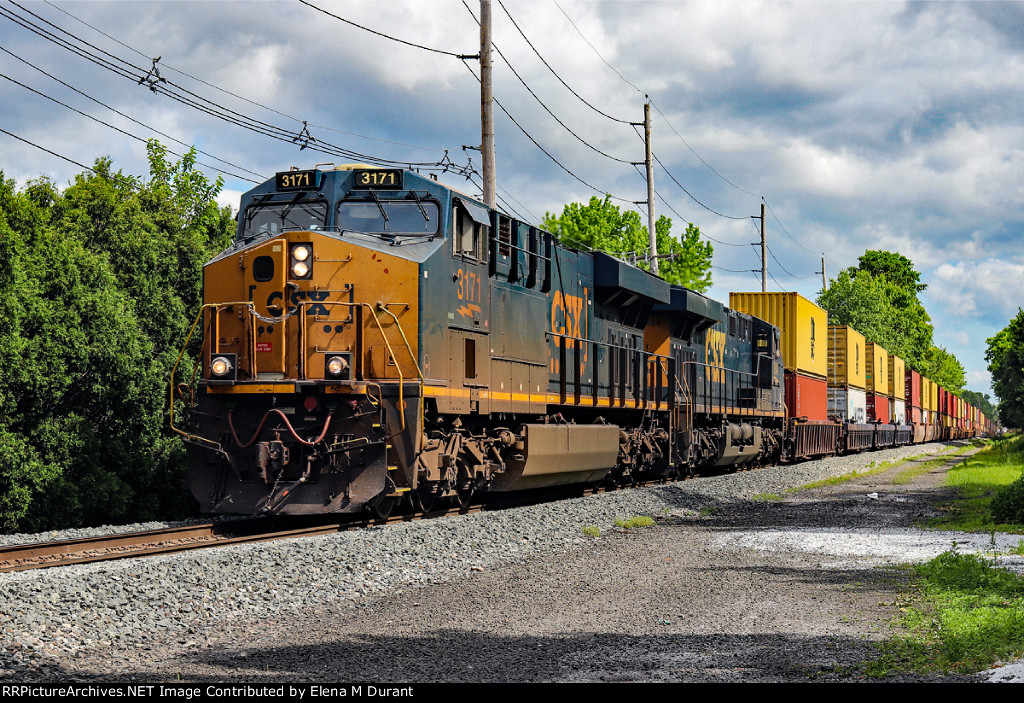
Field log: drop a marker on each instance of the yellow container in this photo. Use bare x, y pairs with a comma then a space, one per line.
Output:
897, 378
876, 372
803, 327
846, 357
929, 394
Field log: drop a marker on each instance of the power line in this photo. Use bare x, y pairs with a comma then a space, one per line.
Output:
595, 48
240, 97
125, 181
387, 36
546, 152
555, 73
132, 119
699, 157
541, 102
107, 124
158, 84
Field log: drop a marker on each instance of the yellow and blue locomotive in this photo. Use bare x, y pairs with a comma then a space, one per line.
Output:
375, 337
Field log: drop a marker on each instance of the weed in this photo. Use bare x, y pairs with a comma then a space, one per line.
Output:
635, 521
592, 531
763, 497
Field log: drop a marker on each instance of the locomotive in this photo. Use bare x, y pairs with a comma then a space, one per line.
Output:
375, 338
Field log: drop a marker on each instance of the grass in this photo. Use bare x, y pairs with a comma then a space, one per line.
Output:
964, 615
976, 480
592, 531
636, 521
961, 613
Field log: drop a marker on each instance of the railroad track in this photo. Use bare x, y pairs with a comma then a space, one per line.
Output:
39, 555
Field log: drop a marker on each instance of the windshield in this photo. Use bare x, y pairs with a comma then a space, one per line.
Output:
388, 217
274, 218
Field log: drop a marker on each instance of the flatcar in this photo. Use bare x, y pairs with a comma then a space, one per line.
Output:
374, 338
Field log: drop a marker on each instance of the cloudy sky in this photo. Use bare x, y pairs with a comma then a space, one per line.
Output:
863, 125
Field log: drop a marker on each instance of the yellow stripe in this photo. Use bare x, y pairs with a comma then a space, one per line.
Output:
253, 388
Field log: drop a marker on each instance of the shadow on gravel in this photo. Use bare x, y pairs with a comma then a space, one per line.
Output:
848, 508
460, 656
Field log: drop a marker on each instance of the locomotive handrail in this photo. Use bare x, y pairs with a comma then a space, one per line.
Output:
641, 359
401, 378
188, 338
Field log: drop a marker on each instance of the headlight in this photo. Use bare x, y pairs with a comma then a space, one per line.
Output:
221, 366
338, 366
301, 256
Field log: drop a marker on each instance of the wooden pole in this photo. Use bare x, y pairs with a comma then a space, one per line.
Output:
764, 254
486, 105
648, 160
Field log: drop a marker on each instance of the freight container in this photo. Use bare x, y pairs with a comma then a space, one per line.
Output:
898, 416
912, 388
806, 396
878, 407
847, 404
929, 400
897, 380
876, 369
916, 415
845, 357
803, 328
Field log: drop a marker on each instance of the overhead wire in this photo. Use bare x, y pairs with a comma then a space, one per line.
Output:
159, 84
132, 119
387, 36
545, 151
582, 36
555, 73
107, 124
236, 95
541, 102
125, 181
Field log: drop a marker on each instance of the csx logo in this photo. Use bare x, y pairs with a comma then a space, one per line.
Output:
569, 317
275, 298
569, 314
714, 349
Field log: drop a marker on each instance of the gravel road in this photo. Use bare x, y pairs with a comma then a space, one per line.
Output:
724, 587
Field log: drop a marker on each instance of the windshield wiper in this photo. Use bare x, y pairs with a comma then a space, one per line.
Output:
380, 206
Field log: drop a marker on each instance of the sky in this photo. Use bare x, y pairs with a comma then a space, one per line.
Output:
862, 125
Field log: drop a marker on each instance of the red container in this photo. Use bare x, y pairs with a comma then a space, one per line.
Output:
878, 407
915, 416
913, 388
806, 396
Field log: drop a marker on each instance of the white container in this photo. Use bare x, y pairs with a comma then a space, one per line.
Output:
847, 404
899, 412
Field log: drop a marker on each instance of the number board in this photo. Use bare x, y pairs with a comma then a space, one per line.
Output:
298, 180
378, 179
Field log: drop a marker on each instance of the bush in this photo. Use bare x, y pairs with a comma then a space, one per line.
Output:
1008, 503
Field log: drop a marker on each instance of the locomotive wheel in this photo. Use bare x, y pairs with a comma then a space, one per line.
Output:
423, 498
464, 494
383, 507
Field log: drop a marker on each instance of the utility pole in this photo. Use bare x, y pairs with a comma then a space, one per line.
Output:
650, 187
824, 280
486, 105
764, 254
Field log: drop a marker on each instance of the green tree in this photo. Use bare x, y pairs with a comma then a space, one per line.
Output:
880, 311
879, 299
98, 284
603, 226
945, 369
897, 268
1005, 356
981, 401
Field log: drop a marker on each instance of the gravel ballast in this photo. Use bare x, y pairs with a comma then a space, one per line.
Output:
722, 588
